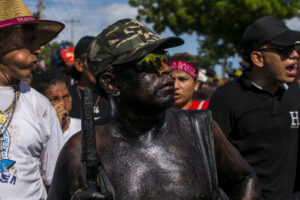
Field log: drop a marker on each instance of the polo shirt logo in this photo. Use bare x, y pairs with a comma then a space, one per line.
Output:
295, 119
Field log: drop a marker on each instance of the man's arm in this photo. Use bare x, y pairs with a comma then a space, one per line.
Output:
234, 169
68, 179
68, 171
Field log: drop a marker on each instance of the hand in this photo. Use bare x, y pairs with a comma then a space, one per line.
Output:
62, 116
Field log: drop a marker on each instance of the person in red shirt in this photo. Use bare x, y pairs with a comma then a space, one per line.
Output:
185, 74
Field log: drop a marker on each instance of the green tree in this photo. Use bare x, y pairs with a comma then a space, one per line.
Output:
219, 23
47, 52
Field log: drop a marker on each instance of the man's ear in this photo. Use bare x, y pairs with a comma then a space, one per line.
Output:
78, 64
257, 58
108, 83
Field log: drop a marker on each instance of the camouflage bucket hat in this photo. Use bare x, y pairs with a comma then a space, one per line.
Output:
125, 41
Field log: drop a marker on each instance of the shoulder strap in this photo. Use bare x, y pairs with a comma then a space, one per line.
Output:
202, 124
200, 105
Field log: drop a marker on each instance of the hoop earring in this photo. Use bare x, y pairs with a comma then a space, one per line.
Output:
115, 92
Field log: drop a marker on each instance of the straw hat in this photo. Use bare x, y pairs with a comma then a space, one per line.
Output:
14, 12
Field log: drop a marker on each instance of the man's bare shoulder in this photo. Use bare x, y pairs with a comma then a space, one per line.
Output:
73, 146
68, 175
69, 157
74, 142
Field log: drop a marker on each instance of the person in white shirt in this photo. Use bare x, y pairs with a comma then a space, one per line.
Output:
52, 84
30, 135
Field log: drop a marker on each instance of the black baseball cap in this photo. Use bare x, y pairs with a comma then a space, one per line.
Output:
81, 48
268, 30
83, 45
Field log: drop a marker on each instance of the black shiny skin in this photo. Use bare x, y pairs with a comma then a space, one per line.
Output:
160, 164
148, 149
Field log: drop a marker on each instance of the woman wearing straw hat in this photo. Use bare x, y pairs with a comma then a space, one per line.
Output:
30, 134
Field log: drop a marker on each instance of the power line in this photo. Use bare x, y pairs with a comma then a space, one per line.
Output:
51, 12
78, 28
91, 5
72, 21
62, 12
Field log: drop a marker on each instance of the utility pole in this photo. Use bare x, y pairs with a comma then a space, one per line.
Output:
72, 21
40, 13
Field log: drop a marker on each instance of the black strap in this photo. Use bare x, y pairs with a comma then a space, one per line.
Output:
89, 157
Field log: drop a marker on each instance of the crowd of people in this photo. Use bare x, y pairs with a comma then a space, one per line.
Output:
164, 128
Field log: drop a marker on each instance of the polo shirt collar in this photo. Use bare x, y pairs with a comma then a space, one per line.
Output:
244, 79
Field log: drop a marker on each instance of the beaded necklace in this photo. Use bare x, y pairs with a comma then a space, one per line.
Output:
7, 116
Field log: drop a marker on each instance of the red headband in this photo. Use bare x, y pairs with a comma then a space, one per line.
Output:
180, 65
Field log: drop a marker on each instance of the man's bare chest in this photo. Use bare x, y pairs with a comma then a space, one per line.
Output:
168, 168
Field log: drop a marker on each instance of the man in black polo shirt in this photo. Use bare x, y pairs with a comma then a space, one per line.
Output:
259, 112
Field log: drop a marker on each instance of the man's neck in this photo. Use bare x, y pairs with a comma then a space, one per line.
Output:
133, 125
269, 85
4, 81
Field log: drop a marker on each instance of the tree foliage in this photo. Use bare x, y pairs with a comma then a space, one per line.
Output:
47, 51
219, 23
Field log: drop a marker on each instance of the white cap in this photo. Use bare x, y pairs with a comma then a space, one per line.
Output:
201, 76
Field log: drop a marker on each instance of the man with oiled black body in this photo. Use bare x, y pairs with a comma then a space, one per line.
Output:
149, 150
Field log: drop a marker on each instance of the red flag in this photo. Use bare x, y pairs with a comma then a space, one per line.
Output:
68, 55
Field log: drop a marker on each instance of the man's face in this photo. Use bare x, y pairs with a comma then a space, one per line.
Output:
280, 65
17, 64
147, 86
20, 57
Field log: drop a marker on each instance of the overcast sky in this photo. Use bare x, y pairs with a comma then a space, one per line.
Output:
92, 16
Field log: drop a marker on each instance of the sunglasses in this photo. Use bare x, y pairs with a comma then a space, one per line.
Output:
151, 63
283, 51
